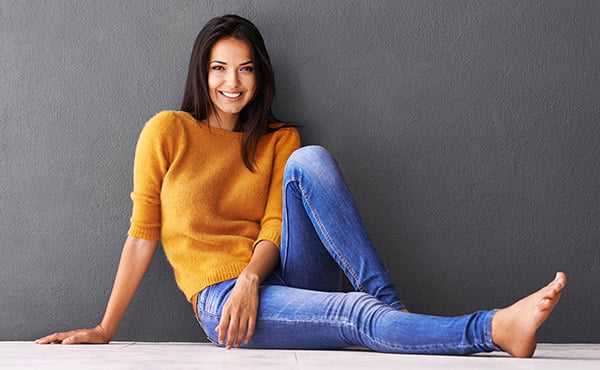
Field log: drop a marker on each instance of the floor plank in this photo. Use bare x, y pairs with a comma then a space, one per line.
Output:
137, 355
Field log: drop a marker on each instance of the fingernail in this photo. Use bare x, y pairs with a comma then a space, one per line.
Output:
66, 341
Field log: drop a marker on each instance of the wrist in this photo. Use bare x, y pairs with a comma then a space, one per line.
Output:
249, 277
107, 336
107, 330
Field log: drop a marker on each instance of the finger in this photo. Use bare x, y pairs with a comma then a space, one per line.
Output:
52, 338
250, 330
222, 328
77, 336
232, 332
240, 333
68, 340
42, 340
46, 339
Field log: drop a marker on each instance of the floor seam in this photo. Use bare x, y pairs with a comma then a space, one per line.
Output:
128, 345
296, 359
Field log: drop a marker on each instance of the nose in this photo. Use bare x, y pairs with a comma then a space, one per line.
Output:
232, 79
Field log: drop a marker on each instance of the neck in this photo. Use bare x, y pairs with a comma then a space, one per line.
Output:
227, 121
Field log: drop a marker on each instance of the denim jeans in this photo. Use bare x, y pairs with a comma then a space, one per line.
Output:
300, 305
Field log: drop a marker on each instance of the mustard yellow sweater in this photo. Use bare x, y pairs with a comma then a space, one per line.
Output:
192, 190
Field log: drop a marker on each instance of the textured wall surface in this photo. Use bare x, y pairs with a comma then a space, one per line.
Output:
469, 132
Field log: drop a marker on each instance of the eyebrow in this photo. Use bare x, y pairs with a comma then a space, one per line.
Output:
243, 64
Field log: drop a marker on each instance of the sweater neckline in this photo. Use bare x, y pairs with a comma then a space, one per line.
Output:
218, 130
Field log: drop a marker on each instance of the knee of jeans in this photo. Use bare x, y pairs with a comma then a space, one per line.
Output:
366, 308
309, 159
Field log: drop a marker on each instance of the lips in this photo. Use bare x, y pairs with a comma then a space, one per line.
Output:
231, 95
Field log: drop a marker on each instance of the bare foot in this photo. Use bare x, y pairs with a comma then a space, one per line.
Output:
514, 328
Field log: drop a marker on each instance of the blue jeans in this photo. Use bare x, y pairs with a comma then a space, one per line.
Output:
300, 303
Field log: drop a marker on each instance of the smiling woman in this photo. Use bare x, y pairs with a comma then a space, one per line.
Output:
257, 229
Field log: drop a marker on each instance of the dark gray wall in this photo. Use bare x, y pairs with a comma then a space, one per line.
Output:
467, 130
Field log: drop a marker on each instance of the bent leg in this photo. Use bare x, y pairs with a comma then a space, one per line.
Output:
321, 222
305, 262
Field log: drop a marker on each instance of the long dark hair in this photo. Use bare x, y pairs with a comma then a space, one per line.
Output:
256, 115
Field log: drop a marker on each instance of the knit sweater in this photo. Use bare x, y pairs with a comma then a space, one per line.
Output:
192, 191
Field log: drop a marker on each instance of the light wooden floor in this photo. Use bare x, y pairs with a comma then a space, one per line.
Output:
144, 355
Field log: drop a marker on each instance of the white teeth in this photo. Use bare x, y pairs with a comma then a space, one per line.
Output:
230, 95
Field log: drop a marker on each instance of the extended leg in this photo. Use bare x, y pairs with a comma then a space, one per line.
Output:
304, 319
297, 318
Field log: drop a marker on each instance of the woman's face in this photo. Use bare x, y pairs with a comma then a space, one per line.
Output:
231, 78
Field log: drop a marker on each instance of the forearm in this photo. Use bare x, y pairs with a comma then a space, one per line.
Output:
238, 317
263, 262
135, 258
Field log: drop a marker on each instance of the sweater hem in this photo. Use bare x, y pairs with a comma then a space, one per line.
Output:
195, 284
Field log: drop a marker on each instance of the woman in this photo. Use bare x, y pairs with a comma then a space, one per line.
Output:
207, 182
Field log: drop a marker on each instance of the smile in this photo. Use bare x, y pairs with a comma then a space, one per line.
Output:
231, 95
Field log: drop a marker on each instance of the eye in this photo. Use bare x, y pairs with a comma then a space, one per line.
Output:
248, 69
218, 68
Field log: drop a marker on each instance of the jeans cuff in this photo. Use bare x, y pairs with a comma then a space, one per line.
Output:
487, 335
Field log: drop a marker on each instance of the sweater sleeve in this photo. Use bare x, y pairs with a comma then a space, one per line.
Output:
153, 155
270, 228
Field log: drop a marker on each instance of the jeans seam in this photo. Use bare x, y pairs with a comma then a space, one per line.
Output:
409, 348
287, 234
358, 285
403, 348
